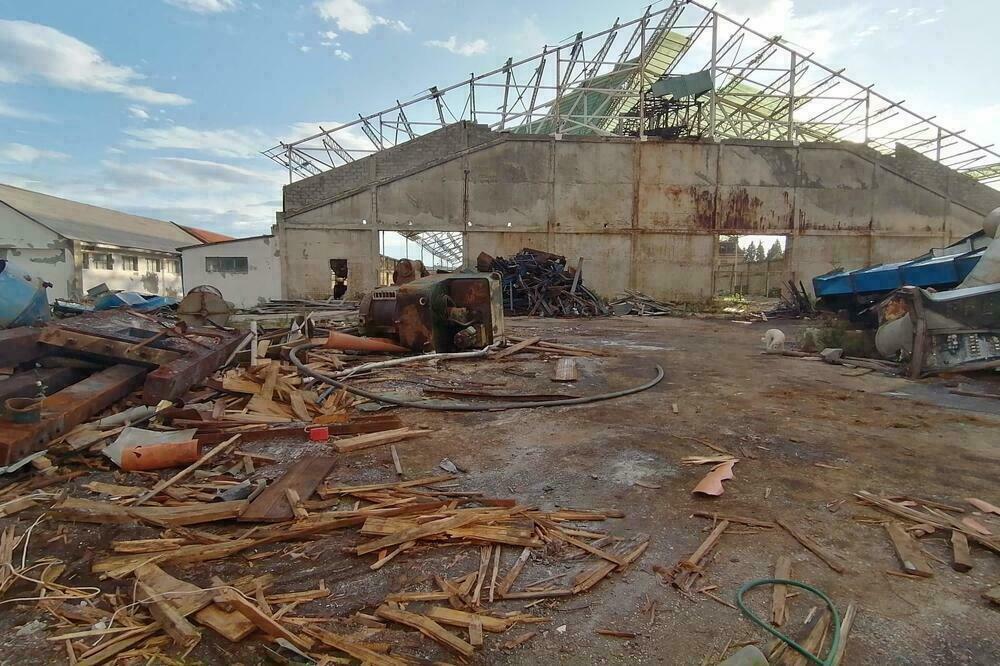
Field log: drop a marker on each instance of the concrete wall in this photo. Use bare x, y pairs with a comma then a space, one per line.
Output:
644, 215
167, 281
261, 282
41, 252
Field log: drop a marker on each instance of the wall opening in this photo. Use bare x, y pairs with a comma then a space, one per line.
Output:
751, 265
338, 278
438, 251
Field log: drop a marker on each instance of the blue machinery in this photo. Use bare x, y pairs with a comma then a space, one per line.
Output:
941, 268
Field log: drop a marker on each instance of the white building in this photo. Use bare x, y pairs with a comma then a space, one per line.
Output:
246, 270
77, 247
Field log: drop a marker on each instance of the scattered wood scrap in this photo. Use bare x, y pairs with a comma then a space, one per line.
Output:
909, 553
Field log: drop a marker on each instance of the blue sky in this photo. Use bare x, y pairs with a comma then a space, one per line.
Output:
160, 107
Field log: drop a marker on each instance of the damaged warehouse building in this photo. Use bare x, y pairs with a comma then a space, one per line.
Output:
417, 422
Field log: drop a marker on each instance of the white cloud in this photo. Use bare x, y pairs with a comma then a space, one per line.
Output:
30, 52
204, 6
528, 37
208, 194
305, 49
8, 111
822, 32
138, 112
352, 16
24, 154
471, 48
343, 55
224, 142
328, 35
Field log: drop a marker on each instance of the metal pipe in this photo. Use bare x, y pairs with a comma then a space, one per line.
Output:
462, 406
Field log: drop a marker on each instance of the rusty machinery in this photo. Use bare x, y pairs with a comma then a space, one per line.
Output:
442, 313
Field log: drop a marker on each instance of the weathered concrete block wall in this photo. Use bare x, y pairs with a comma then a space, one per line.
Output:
961, 188
645, 215
385, 164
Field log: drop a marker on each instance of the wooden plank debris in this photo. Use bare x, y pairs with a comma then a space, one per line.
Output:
513, 349
371, 440
272, 505
359, 652
782, 571
566, 370
961, 557
427, 627
908, 551
813, 547
514, 572
422, 531
262, 621
187, 471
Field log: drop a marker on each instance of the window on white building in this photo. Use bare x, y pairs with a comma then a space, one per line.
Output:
99, 260
130, 263
227, 265
153, 266
173, 266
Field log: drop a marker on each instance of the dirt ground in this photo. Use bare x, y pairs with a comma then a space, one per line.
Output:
809, 435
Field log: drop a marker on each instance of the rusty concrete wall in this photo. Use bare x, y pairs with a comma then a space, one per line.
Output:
645, 215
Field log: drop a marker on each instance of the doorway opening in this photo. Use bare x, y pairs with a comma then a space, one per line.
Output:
338, 278
408, 255
751, 265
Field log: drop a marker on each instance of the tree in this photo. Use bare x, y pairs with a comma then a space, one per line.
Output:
759, 255
776, 252
750, 253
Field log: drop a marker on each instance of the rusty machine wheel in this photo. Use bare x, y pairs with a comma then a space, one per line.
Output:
203, 305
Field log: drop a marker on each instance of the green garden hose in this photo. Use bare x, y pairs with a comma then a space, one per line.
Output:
780, 636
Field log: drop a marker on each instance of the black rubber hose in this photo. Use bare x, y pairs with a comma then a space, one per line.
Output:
464, 406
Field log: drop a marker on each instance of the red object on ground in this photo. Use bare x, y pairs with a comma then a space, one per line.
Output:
319, 434
160, 456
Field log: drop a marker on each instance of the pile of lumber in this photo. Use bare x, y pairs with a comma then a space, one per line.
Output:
637, 303
539, 283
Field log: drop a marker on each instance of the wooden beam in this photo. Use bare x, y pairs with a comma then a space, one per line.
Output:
813, 547
908, 551
272, 506
961, 557
779, 611
427, 627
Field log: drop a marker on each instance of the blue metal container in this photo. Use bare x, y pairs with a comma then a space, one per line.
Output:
941, 269
23, 299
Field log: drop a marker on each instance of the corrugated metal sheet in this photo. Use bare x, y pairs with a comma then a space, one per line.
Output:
82, 222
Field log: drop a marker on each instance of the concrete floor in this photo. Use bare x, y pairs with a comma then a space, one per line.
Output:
781, 415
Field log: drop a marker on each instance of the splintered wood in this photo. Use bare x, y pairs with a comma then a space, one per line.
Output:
393, 520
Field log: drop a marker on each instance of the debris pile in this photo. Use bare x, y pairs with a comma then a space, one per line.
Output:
638, 303
538, 283
222, 396
795, 304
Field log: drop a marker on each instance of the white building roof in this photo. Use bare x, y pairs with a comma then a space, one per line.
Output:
83, 222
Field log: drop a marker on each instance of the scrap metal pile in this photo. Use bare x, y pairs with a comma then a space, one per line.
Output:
538, 283
156, 462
